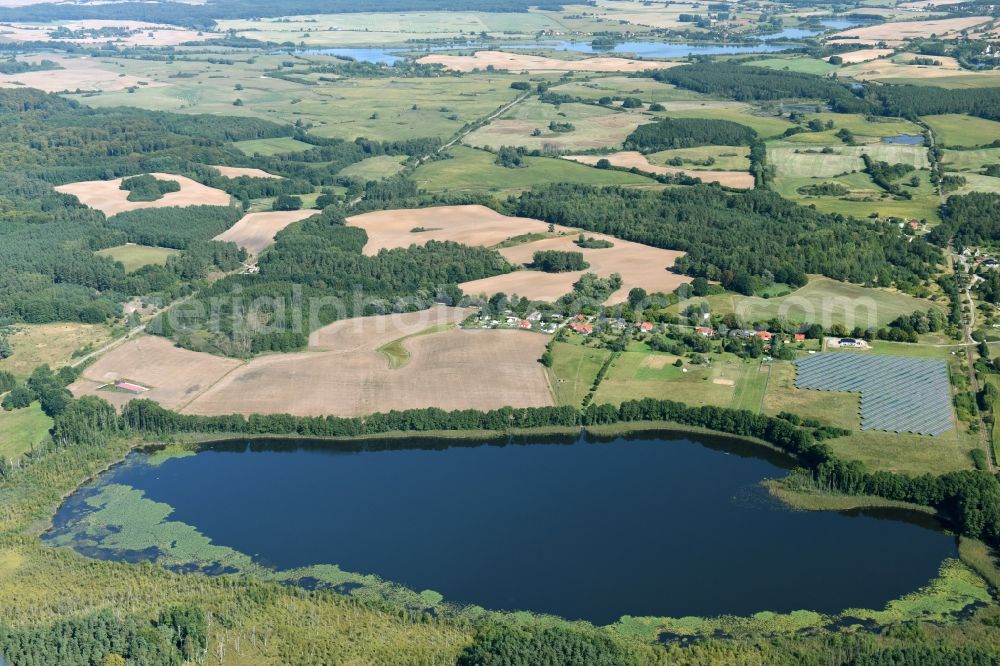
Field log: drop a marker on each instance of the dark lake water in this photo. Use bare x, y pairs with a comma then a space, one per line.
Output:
658, 524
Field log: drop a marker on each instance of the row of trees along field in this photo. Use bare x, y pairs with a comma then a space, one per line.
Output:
971, 499
737, 237
748, 83
321, 258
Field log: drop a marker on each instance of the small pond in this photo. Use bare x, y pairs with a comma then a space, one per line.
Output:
905, 139
658, 524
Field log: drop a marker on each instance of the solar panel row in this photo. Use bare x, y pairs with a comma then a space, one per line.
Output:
898, 394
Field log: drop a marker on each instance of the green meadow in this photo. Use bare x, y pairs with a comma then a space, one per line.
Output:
471, 170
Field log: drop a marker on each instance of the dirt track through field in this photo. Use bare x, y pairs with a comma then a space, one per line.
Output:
107, 196
629, 158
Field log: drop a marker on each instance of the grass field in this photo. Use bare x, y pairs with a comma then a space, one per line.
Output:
387, 109
594, 127
863, 126
823, 300
970, 160
472, 170
374, 168
953, 129
911, 454
804, 65
21, 430
54, 344
765, 125
727, 158
790, 159
268, 147
134, 256
573, 370
646, 89
640, 374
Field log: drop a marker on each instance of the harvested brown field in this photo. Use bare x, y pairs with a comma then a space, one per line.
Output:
521, 62
174, 376
629, 158
864, 55
456, 369
896, 32
469, 225
368, 333
639, 266
255, 232
105, 195
78, 73
236, 172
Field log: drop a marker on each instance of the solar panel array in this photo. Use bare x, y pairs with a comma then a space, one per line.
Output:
898, 394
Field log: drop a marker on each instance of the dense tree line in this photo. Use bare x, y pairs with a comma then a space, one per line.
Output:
737, 238
558, 261
148, 188
500, 643
748, 83
15, 66
967, 220
106, 639
176, 228
688, 132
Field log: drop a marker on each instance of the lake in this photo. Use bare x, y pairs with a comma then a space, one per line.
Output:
658, 524
905, 139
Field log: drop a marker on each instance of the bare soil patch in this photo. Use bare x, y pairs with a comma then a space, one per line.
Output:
105, 195
236, 172
864, 55
256, 231
469, 225
173, 375
457, 369
368, 333
896, 32
519, 62
630, 158
639, 266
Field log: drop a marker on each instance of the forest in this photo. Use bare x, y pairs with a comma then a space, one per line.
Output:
48, 269
739, 238
688, 132
967, 220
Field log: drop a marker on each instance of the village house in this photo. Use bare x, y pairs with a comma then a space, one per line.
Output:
645, 327
705, 331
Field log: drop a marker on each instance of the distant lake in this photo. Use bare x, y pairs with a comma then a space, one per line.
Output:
659, 524
905, 139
